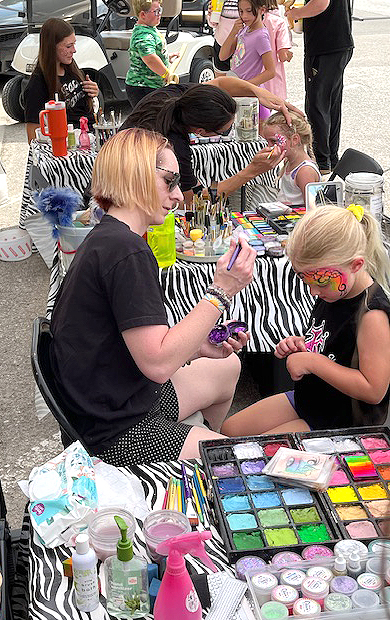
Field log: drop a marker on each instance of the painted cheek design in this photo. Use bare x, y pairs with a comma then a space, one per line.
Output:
326, 276
280, 140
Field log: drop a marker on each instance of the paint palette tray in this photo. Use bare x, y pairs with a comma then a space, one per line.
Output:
254, 513
359, 491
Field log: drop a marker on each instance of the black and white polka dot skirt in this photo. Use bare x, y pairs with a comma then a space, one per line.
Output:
158, 437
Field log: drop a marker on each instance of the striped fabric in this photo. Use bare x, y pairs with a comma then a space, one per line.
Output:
43, 593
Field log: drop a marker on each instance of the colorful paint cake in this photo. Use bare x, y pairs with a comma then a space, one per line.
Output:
272, 448
252, 467
375, 443
360, 466
342, 494
380, 508
313, 533
373, 491
230, 485
272, 516
259, 483
247, 541
305, 515
384, 471
296, 496
266, 499
235, 502
225, 470
351, 513
361, 529
380, 457
339, 478
241, 521
280, 536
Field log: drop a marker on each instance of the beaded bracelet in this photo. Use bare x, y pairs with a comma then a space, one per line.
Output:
218, 303
164, 75
221, 296
220, 290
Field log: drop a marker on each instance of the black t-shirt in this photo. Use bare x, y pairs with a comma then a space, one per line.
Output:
112, 285
330, 31
332, 332
76, 99
179, 141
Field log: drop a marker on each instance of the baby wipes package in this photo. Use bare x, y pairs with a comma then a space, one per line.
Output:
63, 495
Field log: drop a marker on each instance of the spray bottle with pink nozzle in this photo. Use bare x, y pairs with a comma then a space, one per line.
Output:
177, 597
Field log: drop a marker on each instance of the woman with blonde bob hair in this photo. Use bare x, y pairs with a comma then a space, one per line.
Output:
341, 366
123, 372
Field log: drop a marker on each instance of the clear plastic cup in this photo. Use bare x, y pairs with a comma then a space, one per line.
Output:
161, 525
104, 532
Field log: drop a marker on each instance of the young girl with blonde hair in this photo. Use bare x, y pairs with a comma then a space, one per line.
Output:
299, 168
341, 366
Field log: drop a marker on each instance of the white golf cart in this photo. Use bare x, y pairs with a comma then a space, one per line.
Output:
103, 53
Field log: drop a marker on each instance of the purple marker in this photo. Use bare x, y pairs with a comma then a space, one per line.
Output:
233, 258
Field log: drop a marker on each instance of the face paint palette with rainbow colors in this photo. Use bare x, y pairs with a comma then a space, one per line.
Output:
359, 491
255, 513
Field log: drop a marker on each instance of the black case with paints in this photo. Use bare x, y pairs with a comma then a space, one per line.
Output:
219, 452
363, 506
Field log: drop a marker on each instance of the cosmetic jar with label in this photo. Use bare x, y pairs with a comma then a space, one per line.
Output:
370, 581
286, 595
320, 571
306, 608
315, 589
292, 577
344, 585
263, 583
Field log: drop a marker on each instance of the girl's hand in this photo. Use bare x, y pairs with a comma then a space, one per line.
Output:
241, 273
298, 364
91, 88
289, 345
285, 55
228, 347
238, 25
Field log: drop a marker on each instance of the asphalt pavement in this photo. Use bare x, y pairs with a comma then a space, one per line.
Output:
24, 440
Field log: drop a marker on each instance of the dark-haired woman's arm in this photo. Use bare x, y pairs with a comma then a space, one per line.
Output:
241, 88
262, 162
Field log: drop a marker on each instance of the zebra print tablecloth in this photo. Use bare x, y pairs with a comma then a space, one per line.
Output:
211, 162
41, 592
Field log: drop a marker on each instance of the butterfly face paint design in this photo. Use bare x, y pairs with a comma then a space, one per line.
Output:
331, 277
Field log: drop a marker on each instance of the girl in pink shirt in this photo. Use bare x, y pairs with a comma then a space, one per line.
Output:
250, 45
280, 44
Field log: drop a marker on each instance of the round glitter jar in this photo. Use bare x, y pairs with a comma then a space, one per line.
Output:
263, 584
249, 563
292, 577
344, 585
285, 558
315, 589
320, 571
379, 566
273, 611
369, 581
380, 545
316, 551
220, 333
306, 608
286, 595
337, 602
365, 599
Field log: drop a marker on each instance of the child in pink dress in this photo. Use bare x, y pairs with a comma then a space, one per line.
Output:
250, 45
280, 38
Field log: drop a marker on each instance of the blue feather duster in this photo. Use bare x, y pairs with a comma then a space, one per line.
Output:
57, 204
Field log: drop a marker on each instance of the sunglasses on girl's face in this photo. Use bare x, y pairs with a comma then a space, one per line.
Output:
172, 183
157, 12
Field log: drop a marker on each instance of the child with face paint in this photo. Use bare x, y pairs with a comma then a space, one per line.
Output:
299, 168
341, 366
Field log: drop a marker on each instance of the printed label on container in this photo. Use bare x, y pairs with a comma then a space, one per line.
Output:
284, 594
293, 577
192, 601
264, 580
306, 607
369, 581
315, 585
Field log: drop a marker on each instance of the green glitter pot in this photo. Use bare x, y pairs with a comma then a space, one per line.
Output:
247, 540
272, 516
280, 537
313, 533
305, 515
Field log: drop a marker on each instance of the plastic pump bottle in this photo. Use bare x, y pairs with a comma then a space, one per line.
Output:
126, 578
177, 597
354, 565
85, 578
84, 141
340, 566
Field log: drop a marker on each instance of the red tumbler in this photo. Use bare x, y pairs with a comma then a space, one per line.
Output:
55, 115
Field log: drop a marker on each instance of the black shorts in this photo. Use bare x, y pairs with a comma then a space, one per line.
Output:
158, 437
220, 65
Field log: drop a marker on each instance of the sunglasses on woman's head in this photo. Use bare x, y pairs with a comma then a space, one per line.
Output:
172, 183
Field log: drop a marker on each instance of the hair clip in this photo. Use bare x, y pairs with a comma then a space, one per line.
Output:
220, 333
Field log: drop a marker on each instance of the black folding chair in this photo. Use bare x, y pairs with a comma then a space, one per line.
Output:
355, 161
43, 375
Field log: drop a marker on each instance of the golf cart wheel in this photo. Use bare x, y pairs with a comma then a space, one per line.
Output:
11, 98
202, 71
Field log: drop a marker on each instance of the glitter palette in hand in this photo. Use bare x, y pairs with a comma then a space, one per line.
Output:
358, 493
255, 512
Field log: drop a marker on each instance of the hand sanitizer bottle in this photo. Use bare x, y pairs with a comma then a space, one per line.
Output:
85, 579
126, 578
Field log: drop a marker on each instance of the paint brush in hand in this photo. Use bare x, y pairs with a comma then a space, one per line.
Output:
190, 511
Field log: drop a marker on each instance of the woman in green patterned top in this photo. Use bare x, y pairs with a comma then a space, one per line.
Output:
148, 52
